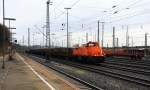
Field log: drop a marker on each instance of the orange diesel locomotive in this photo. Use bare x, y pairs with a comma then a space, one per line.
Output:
90, 52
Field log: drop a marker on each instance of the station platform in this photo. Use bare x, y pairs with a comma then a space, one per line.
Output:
22, 73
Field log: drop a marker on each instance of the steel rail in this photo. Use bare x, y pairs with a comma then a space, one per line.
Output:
107, 73
129, 65
71, 76
134, 70
111, 74
142, 62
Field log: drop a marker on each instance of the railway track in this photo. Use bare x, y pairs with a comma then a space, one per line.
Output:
128, 69
139, 62
70, 76
144, 63
141, 66
109, 73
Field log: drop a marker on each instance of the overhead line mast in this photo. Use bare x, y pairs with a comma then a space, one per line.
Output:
102, 41
48, 39
28, 37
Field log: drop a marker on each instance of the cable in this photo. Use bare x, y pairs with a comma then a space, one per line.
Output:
129, 17
63, 12
75, 3
39, 30
134, 3
95, 20
59, 4
125, 8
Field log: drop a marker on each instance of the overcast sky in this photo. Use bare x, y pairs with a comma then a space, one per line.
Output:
83, 18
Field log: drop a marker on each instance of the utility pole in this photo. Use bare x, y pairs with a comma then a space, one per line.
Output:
23, 44
117, 41
62, 43
132, 42
114, 40
28, 38
67, 31
3, 64
47, 23
48, 39
43, 35
69, 38
107, 45
98, 33
102, 33
23, 40
146, 43
33, 39
127, 37
86, 37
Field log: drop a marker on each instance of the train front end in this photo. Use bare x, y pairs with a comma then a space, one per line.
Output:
90, 52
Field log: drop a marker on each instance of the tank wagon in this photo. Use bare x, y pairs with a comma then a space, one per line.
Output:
90, 52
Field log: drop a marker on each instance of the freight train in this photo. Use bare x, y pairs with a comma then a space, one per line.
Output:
132, 53
90, 52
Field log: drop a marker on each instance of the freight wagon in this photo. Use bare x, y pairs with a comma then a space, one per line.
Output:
90, 52
132, 53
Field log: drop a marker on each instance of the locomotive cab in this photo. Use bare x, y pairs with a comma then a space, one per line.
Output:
94, 49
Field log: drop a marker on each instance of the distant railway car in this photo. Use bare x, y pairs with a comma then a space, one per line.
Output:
111, 52
123, 52
90, 52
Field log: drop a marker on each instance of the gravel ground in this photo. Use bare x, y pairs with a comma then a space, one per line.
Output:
105, 82
124, 72
102, 81
78, 84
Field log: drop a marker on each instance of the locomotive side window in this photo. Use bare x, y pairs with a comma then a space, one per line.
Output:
91, 45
